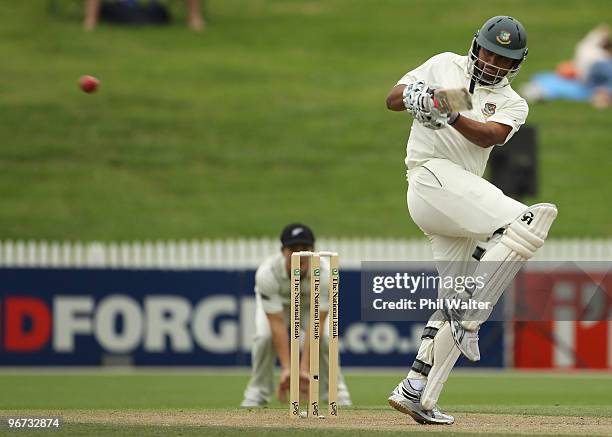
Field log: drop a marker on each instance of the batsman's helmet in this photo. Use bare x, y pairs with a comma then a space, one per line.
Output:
504, 36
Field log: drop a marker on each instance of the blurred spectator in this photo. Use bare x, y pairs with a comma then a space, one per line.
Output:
587, 77
593, 63
157, 11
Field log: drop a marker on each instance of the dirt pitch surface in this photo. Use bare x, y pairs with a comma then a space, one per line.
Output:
374, 420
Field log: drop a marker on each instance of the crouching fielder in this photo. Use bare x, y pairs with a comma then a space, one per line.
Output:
454, 206
272, 315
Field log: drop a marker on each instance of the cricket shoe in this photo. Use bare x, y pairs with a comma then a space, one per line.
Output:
344, 401
407, 400
253, 403
344, 397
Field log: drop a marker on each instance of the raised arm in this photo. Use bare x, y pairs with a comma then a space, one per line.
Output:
482, 134
395, 99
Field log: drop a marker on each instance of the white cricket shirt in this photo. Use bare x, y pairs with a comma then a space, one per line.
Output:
502, 105
273, 285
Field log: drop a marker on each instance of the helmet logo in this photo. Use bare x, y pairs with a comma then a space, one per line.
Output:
489, 109
503, 37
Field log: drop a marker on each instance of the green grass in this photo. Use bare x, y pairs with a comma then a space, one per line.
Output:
465, 391
222, 431
200, 135
516, 393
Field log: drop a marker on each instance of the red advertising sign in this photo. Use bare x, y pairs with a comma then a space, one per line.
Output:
570, 325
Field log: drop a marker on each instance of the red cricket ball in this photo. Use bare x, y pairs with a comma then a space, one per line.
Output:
88, 83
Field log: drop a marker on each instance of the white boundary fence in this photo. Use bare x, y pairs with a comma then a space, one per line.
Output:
248, 253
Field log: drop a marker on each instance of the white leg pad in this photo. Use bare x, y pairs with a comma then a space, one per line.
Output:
445, 354
503, 261
424, 358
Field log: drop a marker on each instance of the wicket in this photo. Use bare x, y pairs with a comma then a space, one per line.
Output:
314, 334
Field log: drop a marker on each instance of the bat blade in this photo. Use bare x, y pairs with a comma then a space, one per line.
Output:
452, 100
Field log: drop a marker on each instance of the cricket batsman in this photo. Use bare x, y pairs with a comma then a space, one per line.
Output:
271, 339
455, 207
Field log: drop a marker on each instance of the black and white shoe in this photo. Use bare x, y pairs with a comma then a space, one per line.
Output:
407, 400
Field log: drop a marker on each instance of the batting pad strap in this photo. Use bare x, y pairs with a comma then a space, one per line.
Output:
429, 332
478, 253
421, 367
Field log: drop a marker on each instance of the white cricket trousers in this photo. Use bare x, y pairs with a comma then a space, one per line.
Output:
455, 209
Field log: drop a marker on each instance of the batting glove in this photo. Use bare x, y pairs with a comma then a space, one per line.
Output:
418, 99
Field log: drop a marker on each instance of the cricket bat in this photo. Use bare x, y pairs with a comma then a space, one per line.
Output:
452, 100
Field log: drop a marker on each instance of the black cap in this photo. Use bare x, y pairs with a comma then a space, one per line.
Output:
297, 233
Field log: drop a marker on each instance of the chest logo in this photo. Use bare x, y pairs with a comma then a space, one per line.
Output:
489, 109
503, 37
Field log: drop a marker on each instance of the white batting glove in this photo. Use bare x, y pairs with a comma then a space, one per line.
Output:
418, 99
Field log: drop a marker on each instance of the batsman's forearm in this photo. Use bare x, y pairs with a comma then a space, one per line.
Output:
395, 99
476, 132
280, 339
